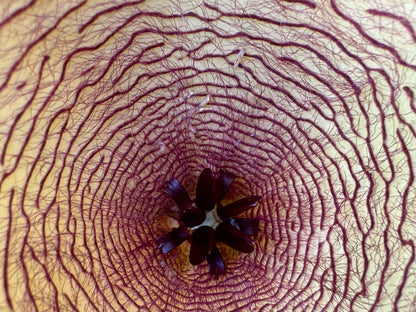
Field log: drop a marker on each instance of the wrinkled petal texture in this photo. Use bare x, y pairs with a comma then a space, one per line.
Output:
310, 104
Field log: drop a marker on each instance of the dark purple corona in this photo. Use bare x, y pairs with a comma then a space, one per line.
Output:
206, 221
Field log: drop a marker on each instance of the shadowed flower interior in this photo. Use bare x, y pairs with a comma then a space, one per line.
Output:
206, 221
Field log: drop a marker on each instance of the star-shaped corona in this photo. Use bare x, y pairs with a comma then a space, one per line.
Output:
205, 222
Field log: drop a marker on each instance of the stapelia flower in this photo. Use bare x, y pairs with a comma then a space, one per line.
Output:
207, 222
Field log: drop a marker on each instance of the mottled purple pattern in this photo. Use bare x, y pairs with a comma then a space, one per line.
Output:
310, 104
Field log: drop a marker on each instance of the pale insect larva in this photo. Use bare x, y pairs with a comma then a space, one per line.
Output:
190, 94
205, 101
202, 109
162, 147
201, 106
193, 130
239, 57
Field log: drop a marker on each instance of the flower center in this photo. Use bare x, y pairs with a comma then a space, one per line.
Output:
211, 219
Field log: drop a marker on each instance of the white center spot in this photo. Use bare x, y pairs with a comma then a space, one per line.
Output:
211, 219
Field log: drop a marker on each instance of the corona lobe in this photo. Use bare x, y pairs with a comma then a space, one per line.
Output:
209, 221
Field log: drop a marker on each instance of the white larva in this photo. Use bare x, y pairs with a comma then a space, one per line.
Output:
192, 129
239, 57
205, 101
162, 147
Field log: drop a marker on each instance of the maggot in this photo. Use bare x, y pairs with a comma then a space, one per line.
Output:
205, 101
239, 57
162, 147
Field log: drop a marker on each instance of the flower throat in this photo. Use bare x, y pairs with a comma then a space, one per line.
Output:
206, 222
